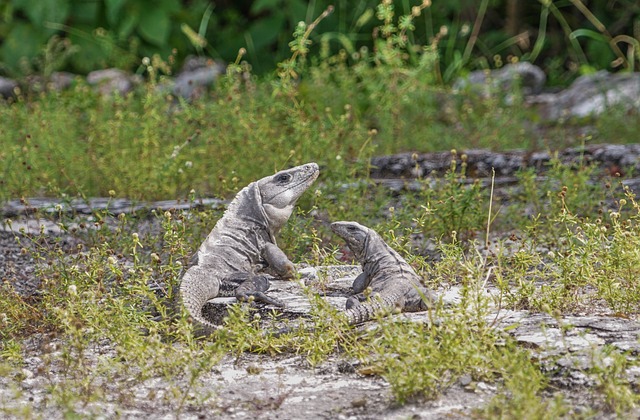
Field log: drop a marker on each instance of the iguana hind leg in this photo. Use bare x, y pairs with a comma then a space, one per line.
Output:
355, 300
246, 285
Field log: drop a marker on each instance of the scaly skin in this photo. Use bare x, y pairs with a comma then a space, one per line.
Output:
393, 283
241, 246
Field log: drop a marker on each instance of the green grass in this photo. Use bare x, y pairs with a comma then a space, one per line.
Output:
144, 146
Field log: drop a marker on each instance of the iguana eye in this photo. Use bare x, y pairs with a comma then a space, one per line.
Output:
351, 228
283, 178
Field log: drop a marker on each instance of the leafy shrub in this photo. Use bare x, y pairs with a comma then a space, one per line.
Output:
104, 33
567, 38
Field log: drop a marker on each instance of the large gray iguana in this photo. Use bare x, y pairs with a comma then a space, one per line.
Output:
393, 283
235, 257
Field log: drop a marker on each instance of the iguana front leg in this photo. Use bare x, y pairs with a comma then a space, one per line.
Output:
278, 261
359, 285
355, 300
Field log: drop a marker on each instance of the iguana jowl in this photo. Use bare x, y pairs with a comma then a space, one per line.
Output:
241, 247
392, 281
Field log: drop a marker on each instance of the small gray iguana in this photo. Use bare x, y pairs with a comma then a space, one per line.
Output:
241, 247
393, 282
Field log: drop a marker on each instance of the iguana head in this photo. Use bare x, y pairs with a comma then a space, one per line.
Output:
279, 192
355, 235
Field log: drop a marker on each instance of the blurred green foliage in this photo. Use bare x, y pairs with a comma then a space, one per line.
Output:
102, 33
566, 37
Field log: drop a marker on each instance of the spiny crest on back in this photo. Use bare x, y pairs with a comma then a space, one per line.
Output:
245, 207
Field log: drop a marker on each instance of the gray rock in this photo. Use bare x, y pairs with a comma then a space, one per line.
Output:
196, 78
309, 273
192, 63
465, 379
479, 163
61, 80
110, 81
13, 208
528, 77
57, 82
7, 87
590, 95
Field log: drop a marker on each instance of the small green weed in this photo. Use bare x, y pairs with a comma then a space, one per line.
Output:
521, 397
613, 385
451, 206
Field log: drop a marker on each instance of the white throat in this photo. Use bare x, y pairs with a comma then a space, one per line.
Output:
277, 217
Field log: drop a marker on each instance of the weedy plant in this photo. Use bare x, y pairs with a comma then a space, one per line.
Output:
108, 303
451, 206
102, 290
612, 383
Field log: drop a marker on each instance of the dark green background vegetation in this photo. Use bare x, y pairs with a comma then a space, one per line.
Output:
566, 37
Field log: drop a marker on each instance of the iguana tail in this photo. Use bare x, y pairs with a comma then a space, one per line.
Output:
373, 307
196, 288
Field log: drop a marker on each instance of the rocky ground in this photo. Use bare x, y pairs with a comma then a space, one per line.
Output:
285, 386
249, 386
